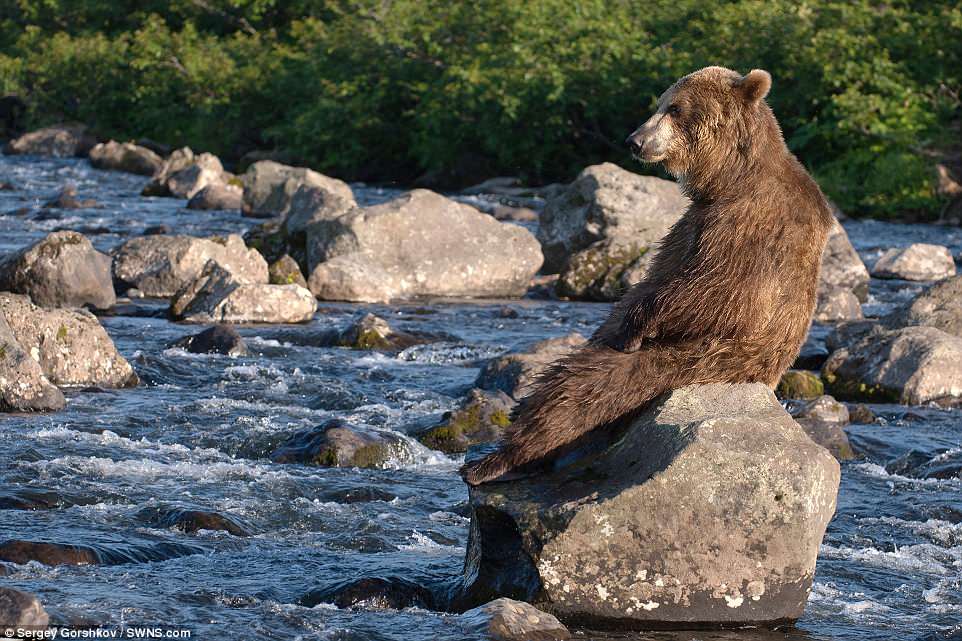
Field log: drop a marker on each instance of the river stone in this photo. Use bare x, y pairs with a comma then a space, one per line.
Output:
918, 261
218, 296
607, 202
481, 418
841, 265
598, 272
286, 271
377, 593
269, 189
125, 156
66, 198
939, 306
61, 141
707, 510
338, 444
910, 366
161, 266
177, 160
62, 270
219, 339
217, 196
510, 620
823, 419
419, 244
23, 385
837, 304
373, 332
183, 174
70, 344
515, 373
21, 551
315, 202
799, 384
191, 520
21, 610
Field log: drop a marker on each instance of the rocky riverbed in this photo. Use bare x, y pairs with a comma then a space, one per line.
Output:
176, 499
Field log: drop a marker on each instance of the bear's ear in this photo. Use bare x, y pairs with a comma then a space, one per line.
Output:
755, 85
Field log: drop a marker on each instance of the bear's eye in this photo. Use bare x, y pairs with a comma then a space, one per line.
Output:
674, 110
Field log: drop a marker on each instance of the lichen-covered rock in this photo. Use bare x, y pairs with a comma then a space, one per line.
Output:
337, 444
709, 509
218, 296
61, 141
918, 261
481, 418
607, 202
598, 272
125, 156
23, 385
62, 270
510, 620
373, 332
286, 271
219, 339
70, 344
21, 610
837, 304
217, 196
841, 265
799, 384
823, 419
939, 306
419, 244
163, 265
516, 372
911, 366
269, 189
183, 174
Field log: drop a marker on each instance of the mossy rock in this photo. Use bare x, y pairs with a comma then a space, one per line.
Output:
799, 385
481, 418
595, 273
374, 333
856, 390
286, 271
337, 444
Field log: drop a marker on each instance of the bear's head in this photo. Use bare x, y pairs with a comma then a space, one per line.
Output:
708, 117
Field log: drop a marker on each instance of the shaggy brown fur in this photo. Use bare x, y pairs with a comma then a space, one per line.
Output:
731, 293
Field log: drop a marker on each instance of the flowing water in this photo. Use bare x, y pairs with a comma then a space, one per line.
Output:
198, 431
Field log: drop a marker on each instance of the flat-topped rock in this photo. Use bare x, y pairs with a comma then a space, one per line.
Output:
60, 141
918, 261
270, 188
125, 156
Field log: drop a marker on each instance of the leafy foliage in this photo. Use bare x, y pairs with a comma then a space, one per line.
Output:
867, 92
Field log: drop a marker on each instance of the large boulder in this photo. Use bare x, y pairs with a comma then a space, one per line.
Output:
515, 373
70, 344
419, 244
841, 265
708, 509
163, 265
604, 270
911, 366
918, 261
61, 141
125, 156
62, 270
218, 296
21, 610
269, 189
217, 196
312, 203
607, 202
184, 174
23, 385
939, 306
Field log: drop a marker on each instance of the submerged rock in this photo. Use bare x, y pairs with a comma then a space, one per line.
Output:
218, 296
62, 270
606, 202
376, 593
125, 156
190, 521
337, 444
419, 244
481, 418
911, 366
510, 620
516, 372
708, 509
217, 196
939, 306
269, 189
918, 261
841, 266
219, 339
66, 198
70, 344
20, 551
23, 385
21, 610
161, 266
60, 141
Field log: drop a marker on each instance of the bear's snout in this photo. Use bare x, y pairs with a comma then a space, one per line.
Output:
635, 143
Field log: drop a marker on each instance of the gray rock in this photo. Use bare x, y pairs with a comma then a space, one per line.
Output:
218, 296
179, 159
918, 261
183, 174
337, 444
66, 198
510, 620
269, 189
125, 156
841, 265
603, 270
823, 419
481, 418
311, 203
837, 304
419, 244
708, 508
61, 141
939, 306
911, 366
163, 265
286, 271
373, 332
515, 373
21, 610
607, 202
62, 270
23, 385
70, 344
217, 196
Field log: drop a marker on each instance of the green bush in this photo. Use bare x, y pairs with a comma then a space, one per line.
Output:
867, 92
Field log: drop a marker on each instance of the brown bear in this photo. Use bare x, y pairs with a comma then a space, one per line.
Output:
731, 292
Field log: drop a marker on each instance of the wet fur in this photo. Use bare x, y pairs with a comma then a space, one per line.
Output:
729, 296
